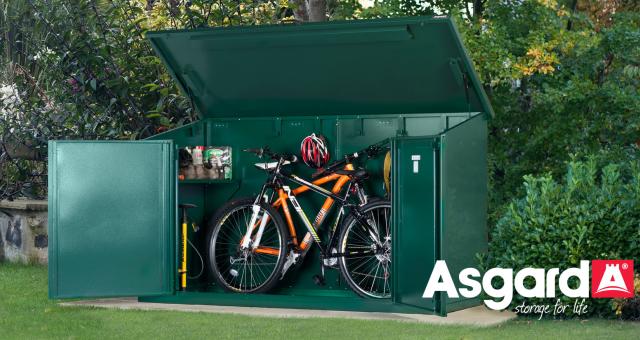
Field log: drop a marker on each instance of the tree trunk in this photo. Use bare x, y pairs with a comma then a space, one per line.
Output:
299, 10
573, 10
317, 10
478, 8
309, 10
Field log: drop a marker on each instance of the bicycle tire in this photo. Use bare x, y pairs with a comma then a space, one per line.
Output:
348, 265
216, 249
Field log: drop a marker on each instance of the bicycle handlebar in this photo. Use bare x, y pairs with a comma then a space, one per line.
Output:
258, 152
371, 151
266, 151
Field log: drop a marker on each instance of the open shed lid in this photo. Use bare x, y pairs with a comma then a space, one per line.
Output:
390, 66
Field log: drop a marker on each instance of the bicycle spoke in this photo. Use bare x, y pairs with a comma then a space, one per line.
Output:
370, 272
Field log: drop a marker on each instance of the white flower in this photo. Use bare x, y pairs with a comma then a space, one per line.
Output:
45, 52
9, 100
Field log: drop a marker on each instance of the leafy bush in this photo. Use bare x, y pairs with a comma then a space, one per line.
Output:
593, 214
629, 309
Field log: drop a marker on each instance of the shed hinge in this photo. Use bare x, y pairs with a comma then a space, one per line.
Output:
461, 77
193, 81
402, 127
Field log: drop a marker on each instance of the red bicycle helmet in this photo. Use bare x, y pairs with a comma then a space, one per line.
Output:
314, 151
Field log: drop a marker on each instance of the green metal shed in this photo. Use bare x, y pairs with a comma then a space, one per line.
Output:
113, 205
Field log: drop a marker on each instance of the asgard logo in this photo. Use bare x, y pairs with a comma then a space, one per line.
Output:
615, 278
611, 278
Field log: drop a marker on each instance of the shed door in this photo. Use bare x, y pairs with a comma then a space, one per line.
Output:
414, 216
111, 216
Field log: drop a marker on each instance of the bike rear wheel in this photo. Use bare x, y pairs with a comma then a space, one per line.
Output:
366, 262
250, 270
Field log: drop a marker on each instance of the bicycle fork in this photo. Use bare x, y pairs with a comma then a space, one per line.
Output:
246, 241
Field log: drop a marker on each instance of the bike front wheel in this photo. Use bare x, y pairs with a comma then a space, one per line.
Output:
251, 270
366, 254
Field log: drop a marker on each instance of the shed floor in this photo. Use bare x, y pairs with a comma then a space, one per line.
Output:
476, 316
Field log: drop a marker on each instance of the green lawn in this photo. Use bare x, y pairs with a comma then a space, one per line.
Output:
25, 312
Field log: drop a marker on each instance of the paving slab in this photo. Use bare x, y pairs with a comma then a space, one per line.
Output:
478, 316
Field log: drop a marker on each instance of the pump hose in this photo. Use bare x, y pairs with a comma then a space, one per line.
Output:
201, 262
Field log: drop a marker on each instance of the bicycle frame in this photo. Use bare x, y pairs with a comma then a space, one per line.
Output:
285, 193
305, 186
331, 198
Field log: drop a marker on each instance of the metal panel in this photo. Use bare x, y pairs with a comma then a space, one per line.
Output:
111, 213
420, 67
414, 219
463, 232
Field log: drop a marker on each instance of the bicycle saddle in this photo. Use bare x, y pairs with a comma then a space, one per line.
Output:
269, 165
355, 174
187, 205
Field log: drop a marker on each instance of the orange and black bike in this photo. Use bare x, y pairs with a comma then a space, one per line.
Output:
251, 247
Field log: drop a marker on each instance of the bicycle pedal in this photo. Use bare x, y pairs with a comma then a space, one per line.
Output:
330, 262
318, 280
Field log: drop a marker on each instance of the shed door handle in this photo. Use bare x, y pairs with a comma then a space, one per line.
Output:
416, 163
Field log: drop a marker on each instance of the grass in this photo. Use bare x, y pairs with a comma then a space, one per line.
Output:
26, 313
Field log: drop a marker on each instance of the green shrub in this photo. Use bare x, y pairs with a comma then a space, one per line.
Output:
593, 214
629, 309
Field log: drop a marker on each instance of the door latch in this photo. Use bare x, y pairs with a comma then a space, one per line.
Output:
416, 163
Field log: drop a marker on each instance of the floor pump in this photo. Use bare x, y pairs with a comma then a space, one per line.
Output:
183, 243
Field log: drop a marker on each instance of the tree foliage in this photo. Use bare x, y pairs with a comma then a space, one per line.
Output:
82, 69
561, 82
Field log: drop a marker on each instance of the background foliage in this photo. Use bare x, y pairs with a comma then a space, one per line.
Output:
593, 213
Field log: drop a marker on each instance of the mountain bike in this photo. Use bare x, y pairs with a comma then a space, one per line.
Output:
251, 248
